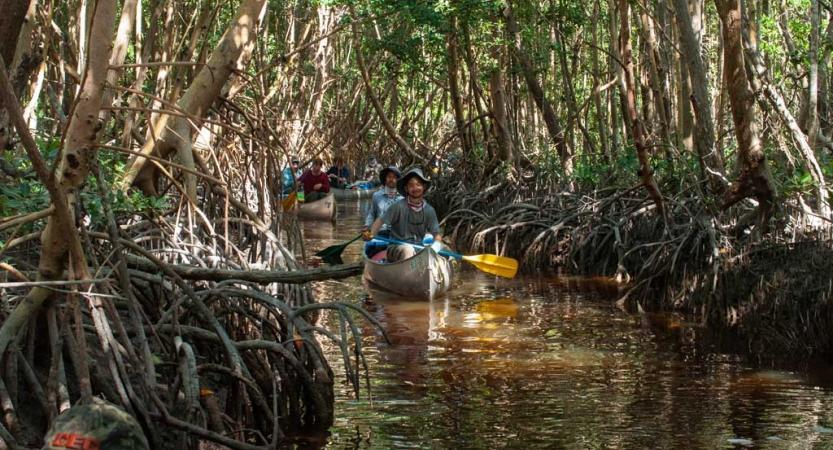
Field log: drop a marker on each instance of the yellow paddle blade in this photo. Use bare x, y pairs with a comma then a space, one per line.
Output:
289, 202
494, 264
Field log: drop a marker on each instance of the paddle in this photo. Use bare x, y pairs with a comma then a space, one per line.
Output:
333, 252
289, 201
493, 264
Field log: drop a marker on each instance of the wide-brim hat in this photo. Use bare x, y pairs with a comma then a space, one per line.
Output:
415, 172
383, 175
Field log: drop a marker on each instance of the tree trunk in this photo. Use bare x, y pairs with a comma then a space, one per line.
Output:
11, 22
652, 56
377, 105
500, 118
463, 131
544, 105
813, 79
60, 237
646, 172
206, 88
755, 179
760, 81
711, 163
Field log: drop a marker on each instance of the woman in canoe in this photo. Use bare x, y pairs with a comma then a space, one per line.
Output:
409, 219
382, 199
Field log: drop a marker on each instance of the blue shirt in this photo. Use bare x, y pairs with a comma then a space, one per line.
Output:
379, 203
288, 180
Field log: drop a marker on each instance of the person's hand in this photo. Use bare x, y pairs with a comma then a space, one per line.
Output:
317, 187
437, 246
366, 236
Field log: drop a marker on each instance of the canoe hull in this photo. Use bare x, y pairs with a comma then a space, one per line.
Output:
424, 276
323, 209
353, 194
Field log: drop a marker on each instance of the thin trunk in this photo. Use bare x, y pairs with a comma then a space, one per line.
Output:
813, 79
617, 69
658, 92
755, 178
500, 118
760, 82
645, 170
377, 105
463, 131
232, 49
601, 112
12, 22
825, 85
712, 167
544, 105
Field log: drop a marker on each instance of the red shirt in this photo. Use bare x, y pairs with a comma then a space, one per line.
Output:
311, 180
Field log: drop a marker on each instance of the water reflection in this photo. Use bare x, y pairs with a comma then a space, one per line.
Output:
551, 362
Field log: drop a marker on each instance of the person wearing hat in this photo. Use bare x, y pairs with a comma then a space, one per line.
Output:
95, 426
371, 171
381, 201
411, 218
316, 182
290, 176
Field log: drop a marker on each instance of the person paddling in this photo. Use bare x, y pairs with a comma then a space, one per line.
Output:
409, 219
382, 199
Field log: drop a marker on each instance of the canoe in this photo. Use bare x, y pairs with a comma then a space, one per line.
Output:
422, 277
323, 209
353, 194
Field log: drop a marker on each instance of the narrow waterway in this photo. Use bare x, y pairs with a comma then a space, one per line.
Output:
551, 363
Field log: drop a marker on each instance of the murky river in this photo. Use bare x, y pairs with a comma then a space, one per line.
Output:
551, 363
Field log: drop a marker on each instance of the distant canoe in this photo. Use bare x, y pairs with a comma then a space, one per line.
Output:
353, 194
323, 209
422, 277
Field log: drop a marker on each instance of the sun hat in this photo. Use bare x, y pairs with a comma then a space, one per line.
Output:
95, 426
383, 175
415, 172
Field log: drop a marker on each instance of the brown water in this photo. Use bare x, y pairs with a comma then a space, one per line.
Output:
552, 363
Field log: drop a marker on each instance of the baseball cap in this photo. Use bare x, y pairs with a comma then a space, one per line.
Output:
96, 426
295, 160
372, 156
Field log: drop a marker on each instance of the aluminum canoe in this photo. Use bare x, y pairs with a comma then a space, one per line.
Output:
323, 209
424, 276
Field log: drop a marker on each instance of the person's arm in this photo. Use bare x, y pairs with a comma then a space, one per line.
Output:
325, 185
434, 229
377, 225
373, 214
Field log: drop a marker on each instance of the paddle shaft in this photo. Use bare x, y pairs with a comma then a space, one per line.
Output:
394, 241
335, 250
